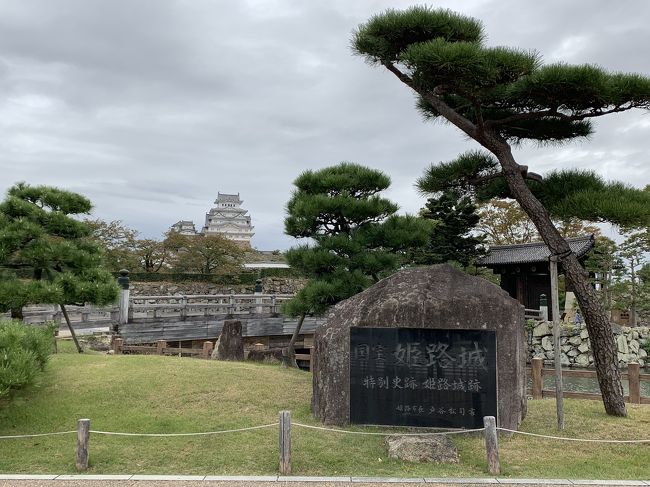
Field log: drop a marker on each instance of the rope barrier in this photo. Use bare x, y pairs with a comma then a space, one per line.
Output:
117, 433
438, 433
585, 440
333, 430
38, 434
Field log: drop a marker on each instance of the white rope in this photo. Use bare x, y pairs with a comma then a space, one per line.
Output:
586, 440
439, 433
114, 433
38, 434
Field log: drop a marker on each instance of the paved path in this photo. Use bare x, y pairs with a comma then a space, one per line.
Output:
273, 481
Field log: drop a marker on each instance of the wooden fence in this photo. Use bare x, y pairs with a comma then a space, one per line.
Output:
185, 307
633, 376
161, 348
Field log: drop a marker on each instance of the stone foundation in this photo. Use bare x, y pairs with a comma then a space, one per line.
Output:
576, 349
270, 285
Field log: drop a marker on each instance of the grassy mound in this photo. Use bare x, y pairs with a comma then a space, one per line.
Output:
166, 394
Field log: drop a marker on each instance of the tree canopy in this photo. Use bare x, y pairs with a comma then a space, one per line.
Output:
46, 255
452, 238
357, 238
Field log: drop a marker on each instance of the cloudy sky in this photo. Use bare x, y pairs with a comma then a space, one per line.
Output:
151, 107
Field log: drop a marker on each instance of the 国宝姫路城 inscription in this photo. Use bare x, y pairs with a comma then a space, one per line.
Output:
422, 377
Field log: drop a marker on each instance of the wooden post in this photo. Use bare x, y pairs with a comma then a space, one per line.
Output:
161, 345
538, 379
492, 445
311, 358
207, 350
117, 346
555, 303
184, 308
634, 382
85, 316
83, 437
123, 281
543, 307
285, 442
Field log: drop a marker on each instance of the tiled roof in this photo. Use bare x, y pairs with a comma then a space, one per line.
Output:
532, 252
228, 198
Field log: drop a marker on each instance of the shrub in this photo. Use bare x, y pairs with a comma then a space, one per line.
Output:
24, 351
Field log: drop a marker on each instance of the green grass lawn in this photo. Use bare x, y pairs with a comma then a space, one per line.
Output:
169, 394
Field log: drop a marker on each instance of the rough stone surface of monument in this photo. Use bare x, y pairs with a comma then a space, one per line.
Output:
436, 449
439, 297
230, 345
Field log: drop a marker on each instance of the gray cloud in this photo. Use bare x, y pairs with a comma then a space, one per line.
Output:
151, 107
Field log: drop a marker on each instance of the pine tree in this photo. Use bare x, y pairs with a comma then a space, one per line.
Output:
357, 237
451, 240
46, 256
498, 96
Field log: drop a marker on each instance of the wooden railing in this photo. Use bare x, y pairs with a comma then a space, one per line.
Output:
534, 314
307, 357
202, 305
78, 314
633, 376
162, 348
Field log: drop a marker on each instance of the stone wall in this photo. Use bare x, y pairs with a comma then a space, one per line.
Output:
270, 285
576, 349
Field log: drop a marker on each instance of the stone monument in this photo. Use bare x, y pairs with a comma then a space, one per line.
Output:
421, 303
230, 345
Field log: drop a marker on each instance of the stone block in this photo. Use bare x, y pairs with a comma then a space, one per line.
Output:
584, 334
547, 343
634, 346
573, 352
542, 329
230, 345
621, 342
584, 347
436, 449
437, 297
582, 360
575, 340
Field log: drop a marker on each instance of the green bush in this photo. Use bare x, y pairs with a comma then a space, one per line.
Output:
24, 351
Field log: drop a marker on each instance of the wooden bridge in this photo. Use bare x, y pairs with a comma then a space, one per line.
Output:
186, 318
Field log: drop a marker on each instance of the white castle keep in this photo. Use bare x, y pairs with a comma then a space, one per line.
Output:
227, 219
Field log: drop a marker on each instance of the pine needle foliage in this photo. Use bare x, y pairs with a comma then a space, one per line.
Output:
566, 194
46, 255
506, 89
357, 238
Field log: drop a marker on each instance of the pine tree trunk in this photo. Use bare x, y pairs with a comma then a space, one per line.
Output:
600, 333
74, 335
291, 350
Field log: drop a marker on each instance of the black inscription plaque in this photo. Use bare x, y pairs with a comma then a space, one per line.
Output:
422, 377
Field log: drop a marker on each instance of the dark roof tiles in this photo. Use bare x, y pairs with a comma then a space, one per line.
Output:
532, 252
